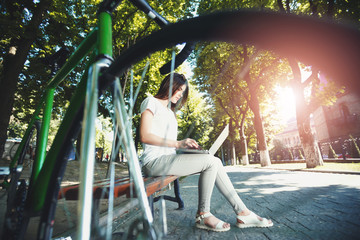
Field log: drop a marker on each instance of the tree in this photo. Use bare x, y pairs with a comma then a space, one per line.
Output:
228, 72
15, 52
237, 116
34, 30
104, 134
303, 110
318, 93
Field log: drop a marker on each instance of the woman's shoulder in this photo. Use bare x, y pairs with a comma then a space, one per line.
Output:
148, 103
148, 99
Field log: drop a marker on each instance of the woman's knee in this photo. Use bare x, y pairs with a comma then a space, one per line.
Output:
214, 161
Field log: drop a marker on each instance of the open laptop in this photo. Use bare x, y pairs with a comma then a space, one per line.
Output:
213, 149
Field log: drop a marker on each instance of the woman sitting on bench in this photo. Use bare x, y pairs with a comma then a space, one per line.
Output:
158, 133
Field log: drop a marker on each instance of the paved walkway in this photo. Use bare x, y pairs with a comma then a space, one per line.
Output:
302, 205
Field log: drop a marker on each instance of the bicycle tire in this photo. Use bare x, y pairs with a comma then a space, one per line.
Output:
15, 205
256, 28
336, 49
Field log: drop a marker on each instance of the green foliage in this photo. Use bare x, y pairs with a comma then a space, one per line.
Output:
54, 125
65, 24
104, 134
216, 75
16, 129
207, 6
278, 151
220, 74
194, 119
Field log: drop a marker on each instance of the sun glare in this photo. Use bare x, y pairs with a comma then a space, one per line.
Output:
285, 103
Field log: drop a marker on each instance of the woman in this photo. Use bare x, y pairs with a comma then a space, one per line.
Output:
158, 133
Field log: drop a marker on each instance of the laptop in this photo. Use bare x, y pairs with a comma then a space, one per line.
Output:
213, 149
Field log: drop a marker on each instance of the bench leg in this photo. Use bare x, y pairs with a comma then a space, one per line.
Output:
151, 203
177, 197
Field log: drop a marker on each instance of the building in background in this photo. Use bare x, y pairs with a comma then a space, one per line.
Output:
336, 128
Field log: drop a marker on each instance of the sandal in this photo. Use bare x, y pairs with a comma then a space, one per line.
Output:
201, 224
252, 220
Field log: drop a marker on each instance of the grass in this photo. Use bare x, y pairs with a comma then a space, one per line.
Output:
354, 167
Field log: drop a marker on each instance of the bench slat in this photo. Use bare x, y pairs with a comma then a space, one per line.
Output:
122, 186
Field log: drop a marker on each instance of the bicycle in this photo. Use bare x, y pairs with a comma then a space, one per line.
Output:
251, 27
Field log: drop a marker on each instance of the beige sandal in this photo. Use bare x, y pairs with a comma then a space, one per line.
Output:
252, 220
201, 224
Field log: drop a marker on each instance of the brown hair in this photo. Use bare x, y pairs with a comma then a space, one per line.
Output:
178, 81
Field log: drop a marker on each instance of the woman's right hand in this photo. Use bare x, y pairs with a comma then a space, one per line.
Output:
187, 143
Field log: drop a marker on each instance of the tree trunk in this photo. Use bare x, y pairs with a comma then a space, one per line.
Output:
311, 149
244, 152
233, 154
12, 66
260, 133
223, 156
8, 81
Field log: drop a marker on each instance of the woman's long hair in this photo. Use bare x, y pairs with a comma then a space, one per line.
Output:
178, 81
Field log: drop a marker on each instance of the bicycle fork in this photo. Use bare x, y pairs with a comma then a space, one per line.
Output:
129, 146
87, 152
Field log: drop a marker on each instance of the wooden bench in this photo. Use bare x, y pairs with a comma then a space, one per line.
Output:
123, 186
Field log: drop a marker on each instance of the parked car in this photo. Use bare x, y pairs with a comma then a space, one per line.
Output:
11, 145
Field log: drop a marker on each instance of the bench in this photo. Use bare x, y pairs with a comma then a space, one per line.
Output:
123, 186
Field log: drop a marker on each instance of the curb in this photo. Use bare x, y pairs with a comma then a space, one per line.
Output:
312, 170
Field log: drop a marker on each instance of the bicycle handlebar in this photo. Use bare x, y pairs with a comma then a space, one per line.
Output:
161, 21
110, 6
148, 10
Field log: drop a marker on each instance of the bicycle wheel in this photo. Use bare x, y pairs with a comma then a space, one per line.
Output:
264, 30
18, 182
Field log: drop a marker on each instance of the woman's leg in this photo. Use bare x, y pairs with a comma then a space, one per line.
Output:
184, 165
211, 171
227, 189
187, 164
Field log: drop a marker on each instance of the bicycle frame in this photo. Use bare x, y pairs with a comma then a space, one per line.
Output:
44, 166
99, 41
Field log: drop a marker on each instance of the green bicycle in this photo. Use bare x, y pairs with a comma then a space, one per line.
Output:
239, 27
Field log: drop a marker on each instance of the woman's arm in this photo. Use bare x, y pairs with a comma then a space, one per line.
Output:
147, 137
